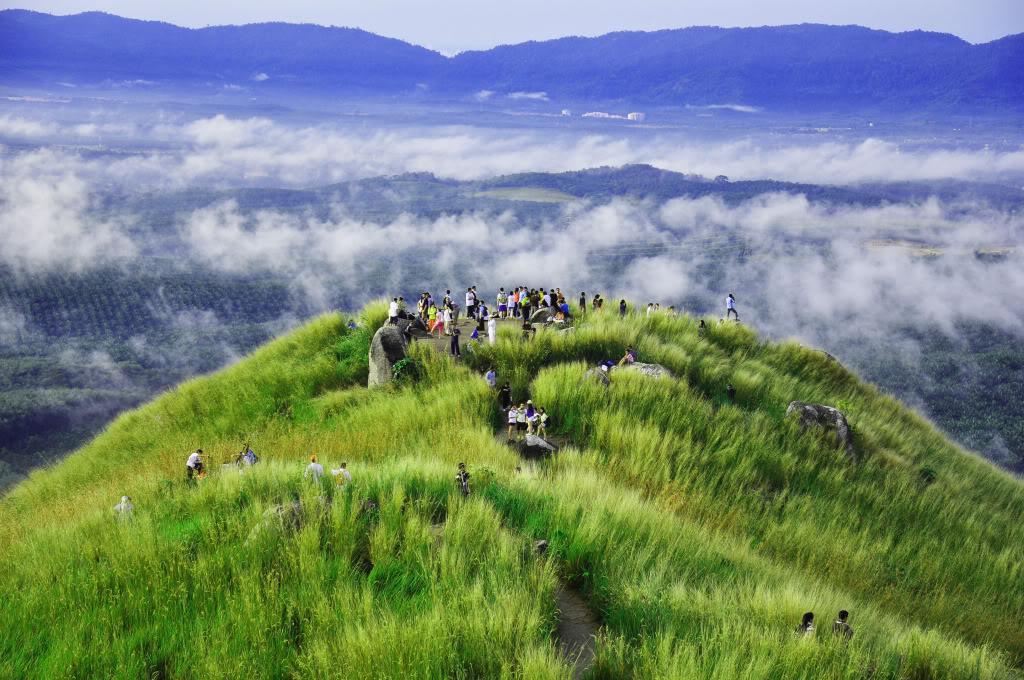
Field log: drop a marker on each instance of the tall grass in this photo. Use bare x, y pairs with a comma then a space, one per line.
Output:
700, 529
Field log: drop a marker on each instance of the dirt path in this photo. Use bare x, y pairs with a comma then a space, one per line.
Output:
443, 344
577, 626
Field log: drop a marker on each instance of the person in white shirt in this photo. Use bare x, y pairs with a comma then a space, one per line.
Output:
513, 416
314, 469
194, 464
393, 312
492, 331
124, 509
446, 315
730, 307
343, 475
470, 302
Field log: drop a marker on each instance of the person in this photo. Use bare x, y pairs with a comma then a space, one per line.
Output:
583, 303
431, 318
401, 307
124, 509
462, 479
622, 308
456, 351
629, 357
521, 420
730, 392
247, 456
438, 322
470, 302
842, 626
702, 328
342, 474
475, 335
806, 627
447, 302
730, 307
393, 312
513, 416
446, 318
314, 470
542, 422
194, 465
492, 330
531, 416
502, 301
505, 397
491, 377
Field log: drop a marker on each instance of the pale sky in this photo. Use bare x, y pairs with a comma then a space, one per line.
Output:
454, 25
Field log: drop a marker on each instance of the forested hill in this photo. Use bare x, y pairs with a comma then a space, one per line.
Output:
784, 68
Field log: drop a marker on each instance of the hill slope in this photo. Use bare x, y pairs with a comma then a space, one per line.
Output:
785, 68
699, 529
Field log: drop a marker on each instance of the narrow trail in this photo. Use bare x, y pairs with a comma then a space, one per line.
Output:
578, 626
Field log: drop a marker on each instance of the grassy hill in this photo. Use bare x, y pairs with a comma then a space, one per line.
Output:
700, 530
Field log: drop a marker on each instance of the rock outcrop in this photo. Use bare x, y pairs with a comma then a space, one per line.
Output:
653, 370
827, 418
386, 349
542, 316
535, 447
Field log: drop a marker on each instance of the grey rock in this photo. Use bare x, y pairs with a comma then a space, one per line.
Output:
386, 349
599, 375
535, 447
652, 370
542, 316
827, 418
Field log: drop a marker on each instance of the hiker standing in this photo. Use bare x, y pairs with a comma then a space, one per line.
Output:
492, 330
194, 465
124, 509
314, 470
505, 397
622, 308
456, 351
470, 303
462, 479
583, 304
502, 303
393, 311
342, 474
842, 626
806, 627
730, 307
513, 416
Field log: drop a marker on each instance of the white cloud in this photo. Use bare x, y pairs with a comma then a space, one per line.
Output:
535, 96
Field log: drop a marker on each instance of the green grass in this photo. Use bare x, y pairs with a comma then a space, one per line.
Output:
700, 530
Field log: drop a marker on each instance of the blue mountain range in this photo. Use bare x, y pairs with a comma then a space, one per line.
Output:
807, 67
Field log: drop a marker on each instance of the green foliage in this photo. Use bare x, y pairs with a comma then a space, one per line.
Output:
700, 530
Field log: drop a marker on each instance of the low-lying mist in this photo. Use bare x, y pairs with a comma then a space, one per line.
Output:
835, 276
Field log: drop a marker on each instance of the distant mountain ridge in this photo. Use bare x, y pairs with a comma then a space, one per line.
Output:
784, 68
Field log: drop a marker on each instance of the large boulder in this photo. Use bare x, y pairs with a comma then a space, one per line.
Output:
653, 370
413, 326
542, 316
386, 349
824, 417
535, 447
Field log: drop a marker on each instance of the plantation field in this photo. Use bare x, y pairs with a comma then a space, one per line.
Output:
699, 530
